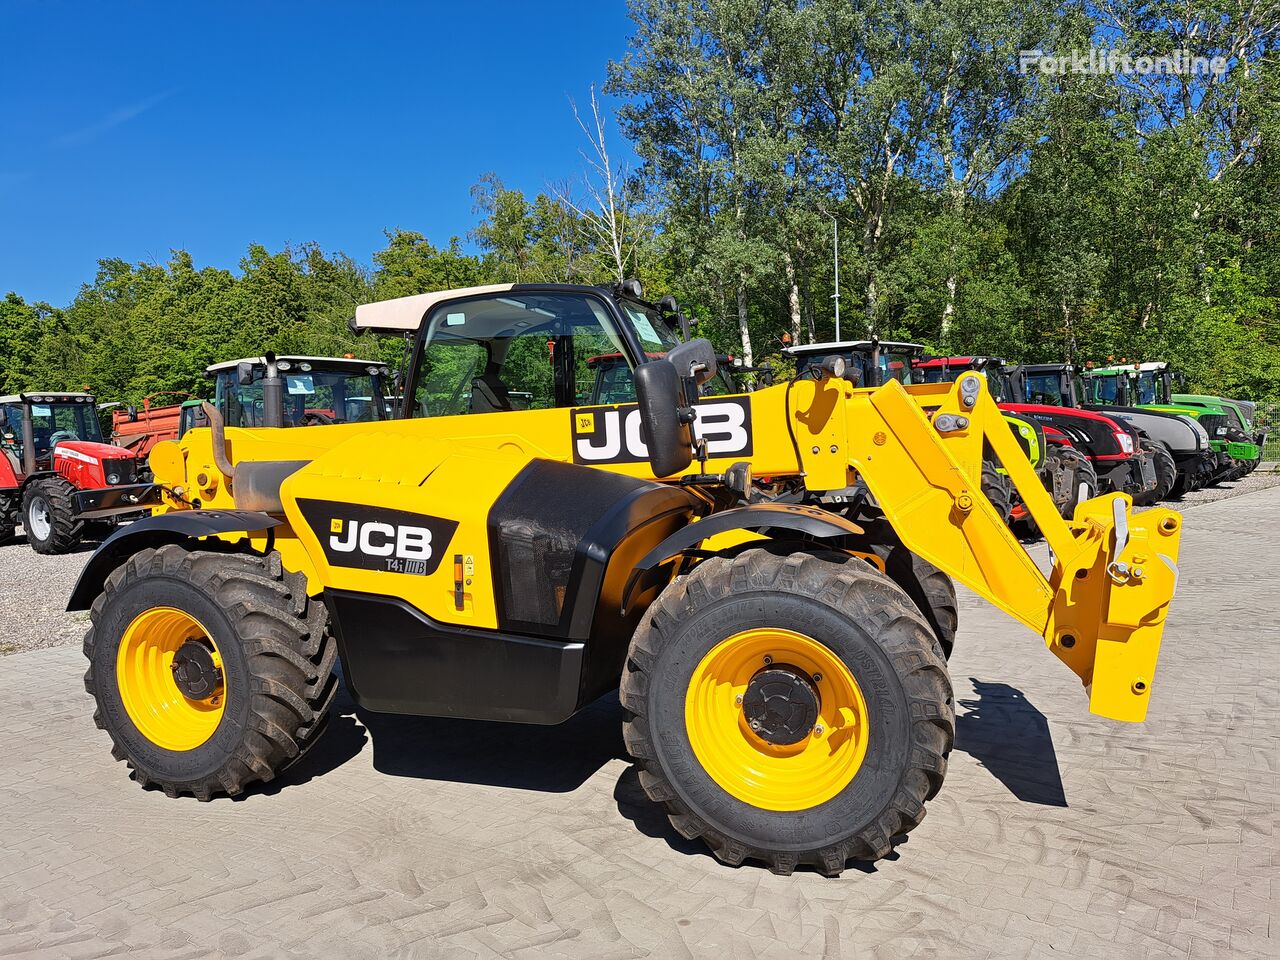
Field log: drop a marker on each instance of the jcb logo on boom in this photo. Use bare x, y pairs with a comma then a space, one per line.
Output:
612, 434
373, 538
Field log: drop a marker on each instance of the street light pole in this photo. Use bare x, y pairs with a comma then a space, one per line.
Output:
835, 228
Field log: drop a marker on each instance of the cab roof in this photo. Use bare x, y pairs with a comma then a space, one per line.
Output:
341, 362
56, 396
856, 346
406, 313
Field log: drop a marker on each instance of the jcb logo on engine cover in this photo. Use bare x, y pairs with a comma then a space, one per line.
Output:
612, 434
374, 538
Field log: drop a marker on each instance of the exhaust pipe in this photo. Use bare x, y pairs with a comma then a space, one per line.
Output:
219, 431
272, 394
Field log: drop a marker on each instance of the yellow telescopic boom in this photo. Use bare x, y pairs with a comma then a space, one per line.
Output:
1102, 607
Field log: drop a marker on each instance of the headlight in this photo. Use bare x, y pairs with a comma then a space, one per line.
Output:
113, 478
1125, 441
304, 367
284, 365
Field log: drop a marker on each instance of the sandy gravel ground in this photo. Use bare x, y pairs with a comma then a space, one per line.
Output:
34, 588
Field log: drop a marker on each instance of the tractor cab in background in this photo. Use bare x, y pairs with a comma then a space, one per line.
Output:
871, 363
316, 390
1227, 449
54, 449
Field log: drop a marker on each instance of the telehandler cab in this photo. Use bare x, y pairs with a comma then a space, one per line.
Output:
783, 698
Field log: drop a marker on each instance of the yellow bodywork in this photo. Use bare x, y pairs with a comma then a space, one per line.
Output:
1100, 609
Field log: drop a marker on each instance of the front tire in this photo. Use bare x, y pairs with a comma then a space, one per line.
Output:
211, 671
840, 634
49, 517
1166, 474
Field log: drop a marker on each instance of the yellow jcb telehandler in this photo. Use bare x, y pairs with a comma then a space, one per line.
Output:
506, 552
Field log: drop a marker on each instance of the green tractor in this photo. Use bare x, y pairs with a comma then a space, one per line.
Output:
1234, 451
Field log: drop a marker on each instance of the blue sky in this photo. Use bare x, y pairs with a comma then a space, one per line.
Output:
132, 128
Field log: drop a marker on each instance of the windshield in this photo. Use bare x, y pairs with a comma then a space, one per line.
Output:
1146, 388
1103, 388
314, 396
896, 366
1044, 388
532, 351
657, 338
53, 423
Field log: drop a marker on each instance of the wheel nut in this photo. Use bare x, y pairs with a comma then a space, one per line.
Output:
817, 678
818, 730
738, 700
768, 659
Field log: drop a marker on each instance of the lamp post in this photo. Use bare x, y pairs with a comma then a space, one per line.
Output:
835, 256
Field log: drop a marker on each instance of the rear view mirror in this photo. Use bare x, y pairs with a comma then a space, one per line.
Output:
244, 373
695, 360
665, 417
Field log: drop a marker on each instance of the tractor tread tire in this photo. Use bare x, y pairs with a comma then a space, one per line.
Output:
931, 590
1166, 474
998, 488
287, 645
65, 530
1085, 474
862, 594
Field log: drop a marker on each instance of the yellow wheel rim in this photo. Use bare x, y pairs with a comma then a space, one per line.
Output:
796, 776
144, 675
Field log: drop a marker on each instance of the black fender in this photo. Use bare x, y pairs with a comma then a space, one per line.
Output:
794, 517
155, 531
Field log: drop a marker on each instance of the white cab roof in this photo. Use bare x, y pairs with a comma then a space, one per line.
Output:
407, 313
328, 361
57, 396
806, 348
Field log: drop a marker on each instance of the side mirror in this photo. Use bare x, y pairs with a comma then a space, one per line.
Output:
133, 414
665, 418
694, 360
244, 373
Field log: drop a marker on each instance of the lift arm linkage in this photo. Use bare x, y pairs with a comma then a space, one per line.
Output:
1102, 607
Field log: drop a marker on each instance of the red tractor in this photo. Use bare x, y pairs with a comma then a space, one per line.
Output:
1116, 459
53, 449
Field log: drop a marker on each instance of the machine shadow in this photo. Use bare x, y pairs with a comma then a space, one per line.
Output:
549, 759
1005, 733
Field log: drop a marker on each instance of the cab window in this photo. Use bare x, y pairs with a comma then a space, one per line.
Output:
517, 352
1044, 388
1104, 389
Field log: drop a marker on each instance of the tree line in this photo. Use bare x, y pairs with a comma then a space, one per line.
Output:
986, 201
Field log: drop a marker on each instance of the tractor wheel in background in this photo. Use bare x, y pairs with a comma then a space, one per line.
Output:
211, 671
929, 588
1166, 474
998, 489
48, 516
1083, 483
788, 709
9, 519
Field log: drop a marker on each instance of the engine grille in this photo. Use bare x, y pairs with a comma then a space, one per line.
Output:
124, 468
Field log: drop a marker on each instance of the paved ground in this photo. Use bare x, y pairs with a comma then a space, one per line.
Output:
1057, 833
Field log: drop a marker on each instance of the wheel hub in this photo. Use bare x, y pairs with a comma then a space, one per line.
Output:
781, 705
194, 672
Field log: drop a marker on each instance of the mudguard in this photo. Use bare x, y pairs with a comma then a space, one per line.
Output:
761, 516
155, 531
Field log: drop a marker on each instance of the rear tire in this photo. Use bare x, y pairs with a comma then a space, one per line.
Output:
868, 628
930, 590
49, 517
998, 488
277, 677
1166, 474
1084, 485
